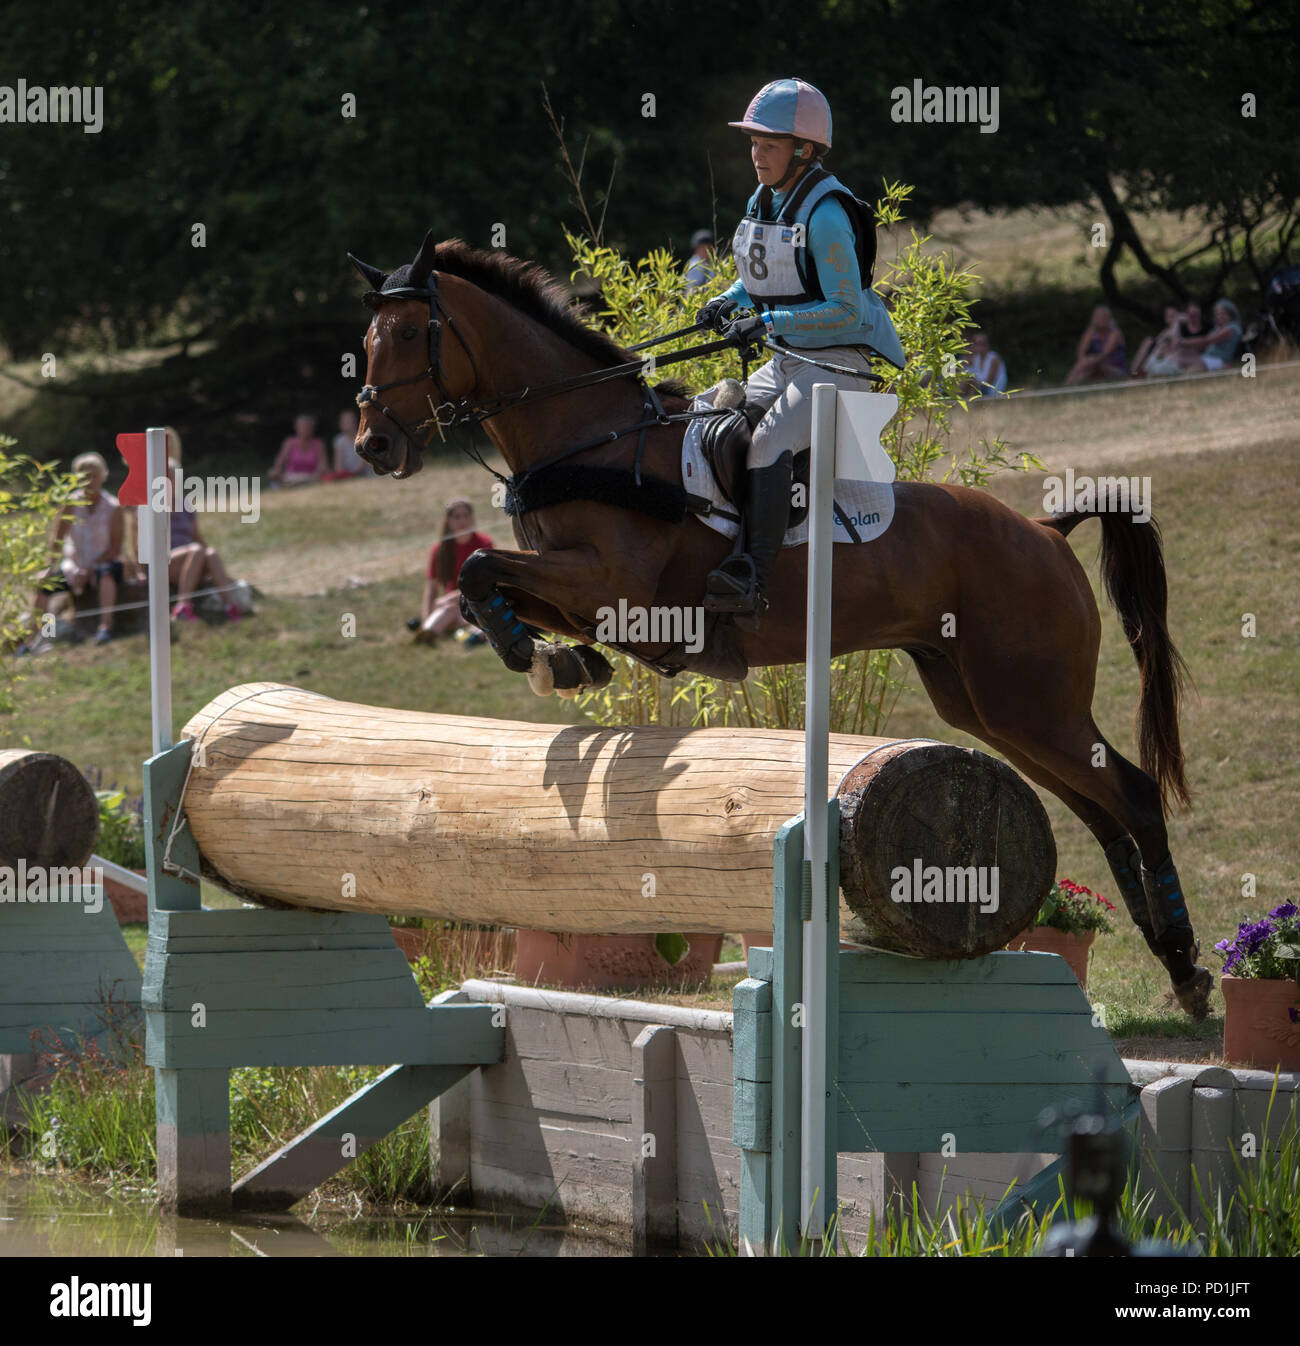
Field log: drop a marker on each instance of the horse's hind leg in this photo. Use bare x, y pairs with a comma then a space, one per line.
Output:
951, 700
1115, 800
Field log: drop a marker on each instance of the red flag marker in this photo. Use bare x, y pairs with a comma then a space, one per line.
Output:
135, 489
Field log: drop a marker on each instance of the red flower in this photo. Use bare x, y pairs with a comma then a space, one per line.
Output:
1073, 889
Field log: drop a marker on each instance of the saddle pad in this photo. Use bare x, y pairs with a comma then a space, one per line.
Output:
869, 505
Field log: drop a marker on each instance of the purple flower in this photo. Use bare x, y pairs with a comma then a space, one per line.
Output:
1254, 935
1224, 945
1286, 910
1293, 1014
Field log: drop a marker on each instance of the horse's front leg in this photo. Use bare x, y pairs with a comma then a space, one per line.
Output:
565, 580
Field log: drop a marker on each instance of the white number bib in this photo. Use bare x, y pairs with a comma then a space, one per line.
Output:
766, 259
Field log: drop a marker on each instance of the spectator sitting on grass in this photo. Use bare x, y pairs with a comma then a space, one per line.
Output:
1165, 362
441, 610
302, 455
1100, 354
193, 563
1196, 354
91, 536
1159, 347
348, 463
985, 370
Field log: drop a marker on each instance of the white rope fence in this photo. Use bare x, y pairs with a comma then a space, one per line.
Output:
1115, 385
78, 613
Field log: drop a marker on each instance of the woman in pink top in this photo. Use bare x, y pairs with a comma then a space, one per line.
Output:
302, 456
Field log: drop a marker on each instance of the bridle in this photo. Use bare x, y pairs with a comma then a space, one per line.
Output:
428, 293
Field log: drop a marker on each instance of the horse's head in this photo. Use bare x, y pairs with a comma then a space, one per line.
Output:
407, 370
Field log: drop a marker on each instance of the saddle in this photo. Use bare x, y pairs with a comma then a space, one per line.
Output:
725, 442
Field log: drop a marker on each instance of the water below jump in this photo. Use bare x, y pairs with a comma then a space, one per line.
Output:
44, 1215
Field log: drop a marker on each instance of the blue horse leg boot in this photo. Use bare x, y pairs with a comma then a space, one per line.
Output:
1126, 865
1173, 931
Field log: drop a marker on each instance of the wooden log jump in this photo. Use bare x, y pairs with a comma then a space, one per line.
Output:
300, 800
49, 816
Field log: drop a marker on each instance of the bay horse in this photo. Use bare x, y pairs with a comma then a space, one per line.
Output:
993, 608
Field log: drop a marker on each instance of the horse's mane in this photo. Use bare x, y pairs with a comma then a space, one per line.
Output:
529, 288
532, 290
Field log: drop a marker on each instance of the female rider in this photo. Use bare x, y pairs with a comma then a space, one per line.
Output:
798, 253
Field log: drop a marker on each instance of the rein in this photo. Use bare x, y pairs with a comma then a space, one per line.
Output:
463, 411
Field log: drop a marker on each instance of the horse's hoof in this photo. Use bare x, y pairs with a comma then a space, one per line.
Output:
596, 667
541, 674
1193, 995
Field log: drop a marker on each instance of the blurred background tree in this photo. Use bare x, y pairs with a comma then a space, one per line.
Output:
231, 116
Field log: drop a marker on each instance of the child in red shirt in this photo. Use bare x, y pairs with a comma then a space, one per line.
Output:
441, 610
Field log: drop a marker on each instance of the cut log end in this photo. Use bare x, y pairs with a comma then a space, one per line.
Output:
945, 852
49, 817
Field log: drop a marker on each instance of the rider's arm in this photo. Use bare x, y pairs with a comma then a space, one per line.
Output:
737, 293
830, 238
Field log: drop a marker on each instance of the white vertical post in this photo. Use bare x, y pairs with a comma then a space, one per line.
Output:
155, 542
817, 710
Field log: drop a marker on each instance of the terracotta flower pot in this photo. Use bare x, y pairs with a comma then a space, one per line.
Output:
128, 905
610, 962
410, 939
1073, 948
1257, 1030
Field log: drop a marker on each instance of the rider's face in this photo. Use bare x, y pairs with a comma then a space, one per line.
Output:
771, 156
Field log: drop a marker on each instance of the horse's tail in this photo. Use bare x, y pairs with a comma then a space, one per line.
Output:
1133, 570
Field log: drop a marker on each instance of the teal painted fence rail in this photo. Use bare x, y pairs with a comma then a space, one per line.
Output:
259, 987
922, 1056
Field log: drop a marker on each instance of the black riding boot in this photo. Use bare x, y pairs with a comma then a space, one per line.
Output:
739, 585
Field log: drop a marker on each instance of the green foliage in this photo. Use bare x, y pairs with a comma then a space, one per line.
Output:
647, 298
31, 496
270, 1103
1260, 1218
121, 833
97, 1115
672, 948
931, 299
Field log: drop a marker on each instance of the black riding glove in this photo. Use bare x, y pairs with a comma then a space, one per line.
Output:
747, 331
715, 313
